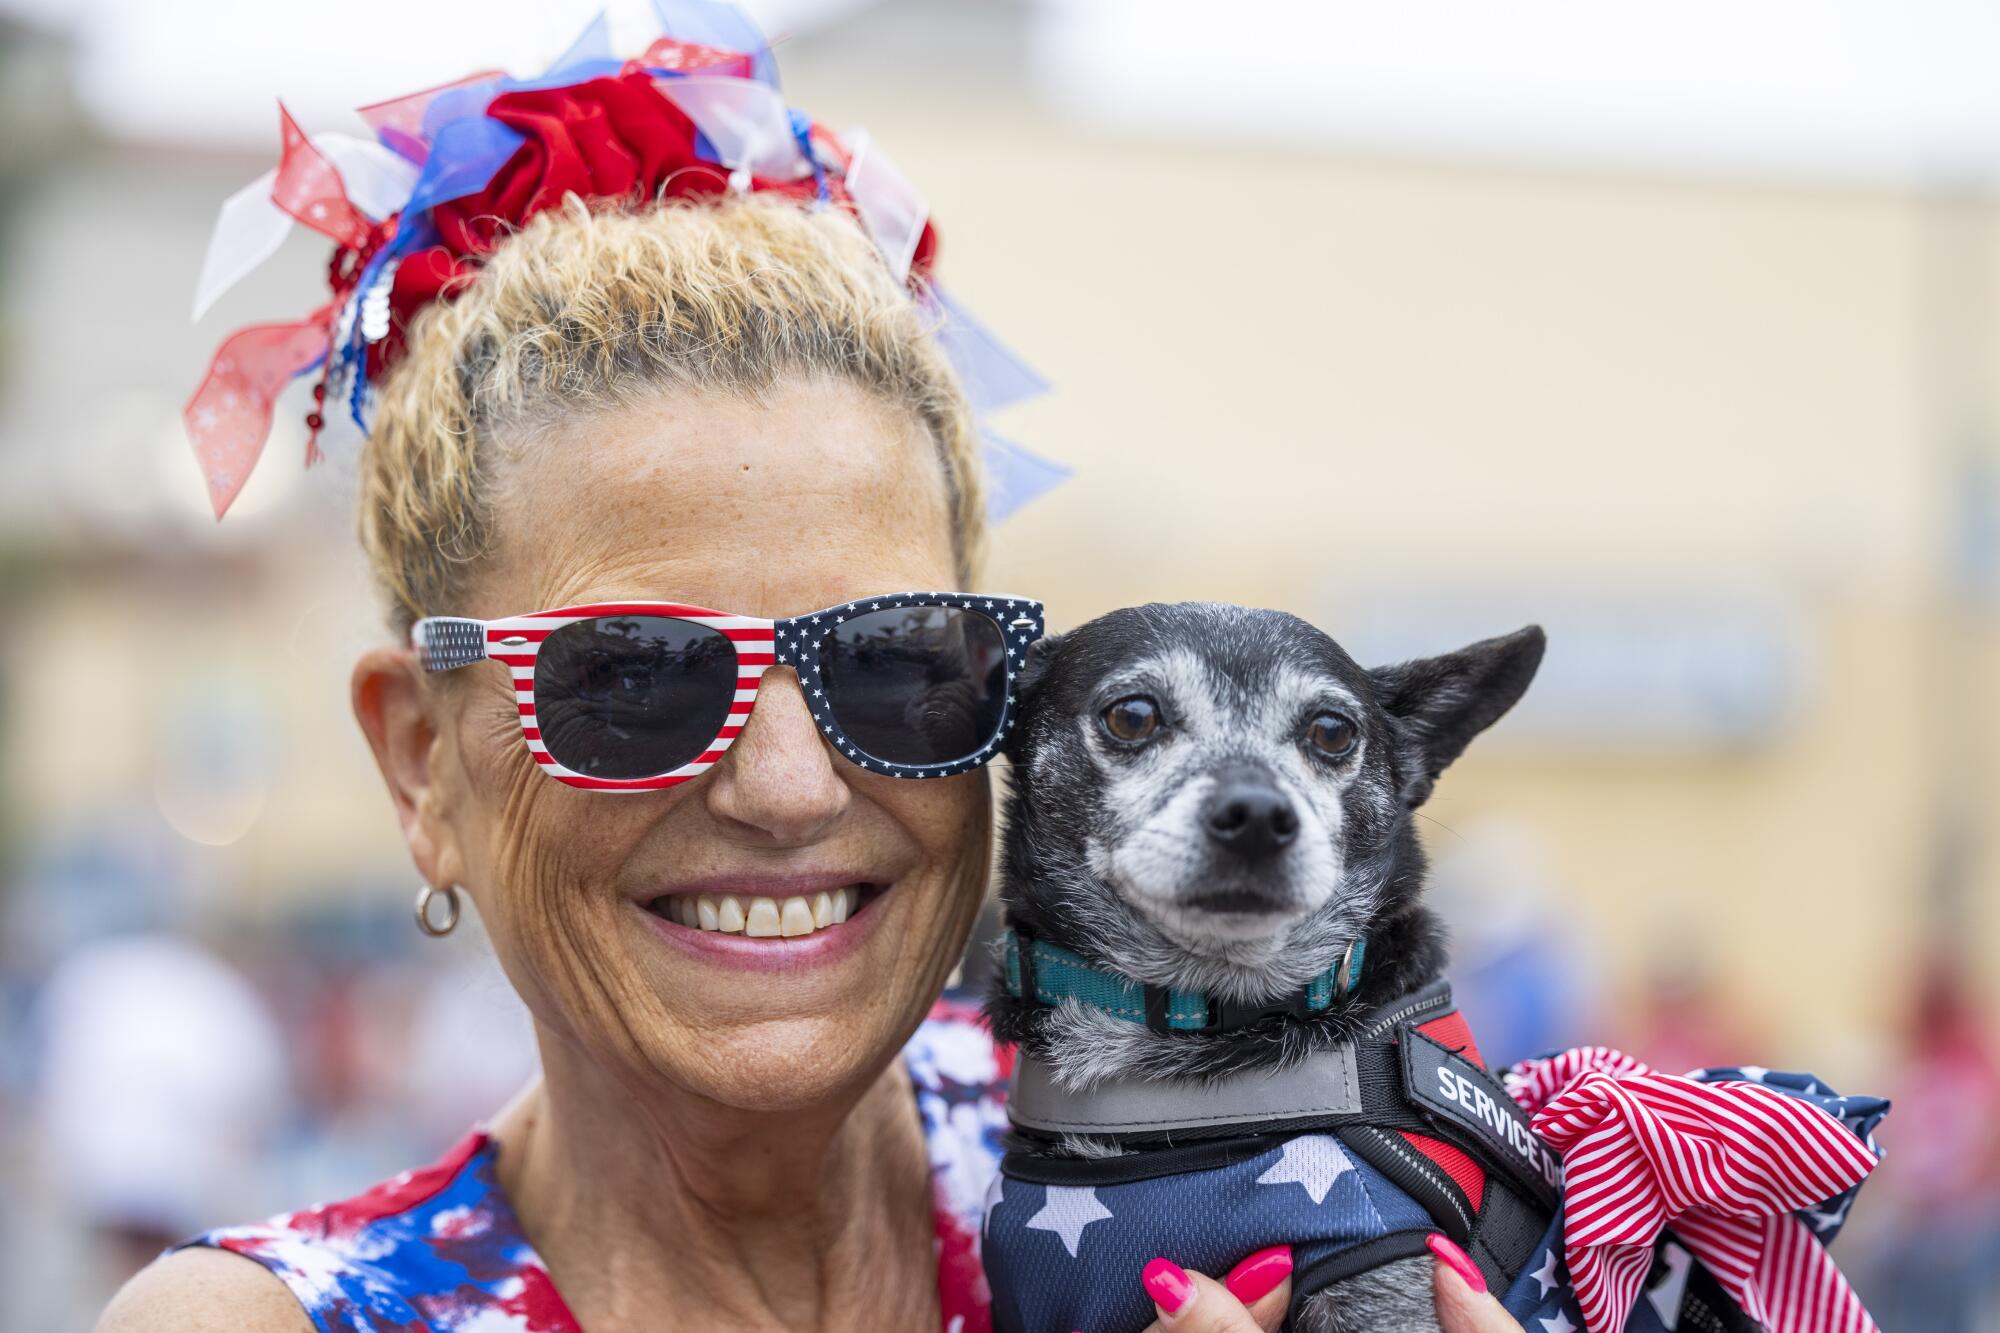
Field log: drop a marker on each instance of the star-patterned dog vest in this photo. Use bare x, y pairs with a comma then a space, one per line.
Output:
1065, 1242
1390, 1138
1422, 1139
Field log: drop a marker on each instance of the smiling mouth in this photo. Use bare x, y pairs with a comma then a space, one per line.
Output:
759, 917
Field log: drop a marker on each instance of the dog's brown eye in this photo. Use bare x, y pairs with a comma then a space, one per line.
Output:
1332, 735
1133, 718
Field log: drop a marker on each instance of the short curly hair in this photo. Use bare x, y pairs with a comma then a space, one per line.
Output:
592, 307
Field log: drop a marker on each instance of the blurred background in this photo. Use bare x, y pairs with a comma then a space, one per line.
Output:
1672, 328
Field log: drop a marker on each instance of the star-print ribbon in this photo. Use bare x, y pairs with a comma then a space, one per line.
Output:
309, 187
228, 417
1724, 1165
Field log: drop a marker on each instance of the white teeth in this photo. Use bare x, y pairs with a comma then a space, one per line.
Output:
761, 921
764, 918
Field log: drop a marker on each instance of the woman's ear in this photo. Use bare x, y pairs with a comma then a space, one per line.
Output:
1440, 703
394, 709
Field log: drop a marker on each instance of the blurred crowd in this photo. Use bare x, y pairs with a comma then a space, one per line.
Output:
165, 1072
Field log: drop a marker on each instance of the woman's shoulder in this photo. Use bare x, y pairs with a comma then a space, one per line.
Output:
433, 1248
204, 1291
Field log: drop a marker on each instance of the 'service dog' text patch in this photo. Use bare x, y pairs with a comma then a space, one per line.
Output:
1448, 1085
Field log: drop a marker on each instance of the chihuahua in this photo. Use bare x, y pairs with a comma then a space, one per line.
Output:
1221, 976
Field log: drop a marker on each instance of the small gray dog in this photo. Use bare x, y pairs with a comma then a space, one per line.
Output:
1221, 978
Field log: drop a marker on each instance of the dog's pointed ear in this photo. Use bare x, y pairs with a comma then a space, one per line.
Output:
1034, 667
1440, 703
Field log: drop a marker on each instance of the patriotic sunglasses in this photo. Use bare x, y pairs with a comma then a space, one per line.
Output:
635, 696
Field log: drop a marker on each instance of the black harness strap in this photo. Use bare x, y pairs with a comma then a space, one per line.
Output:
1510, 1228
1417, 1176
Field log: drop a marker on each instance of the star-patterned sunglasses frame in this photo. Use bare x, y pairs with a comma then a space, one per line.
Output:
446, 643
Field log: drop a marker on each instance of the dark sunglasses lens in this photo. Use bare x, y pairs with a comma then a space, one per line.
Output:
916, 685
628, 697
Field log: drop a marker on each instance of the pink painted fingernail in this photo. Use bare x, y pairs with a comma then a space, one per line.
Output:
1167, 1283
1257, 1276
1457, 1260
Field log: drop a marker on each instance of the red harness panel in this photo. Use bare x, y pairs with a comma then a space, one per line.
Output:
1451, 1029
1468, 1175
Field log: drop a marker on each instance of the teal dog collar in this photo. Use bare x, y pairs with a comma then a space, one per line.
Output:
1045, 973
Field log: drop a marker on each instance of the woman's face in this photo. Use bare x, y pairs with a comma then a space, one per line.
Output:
817, 496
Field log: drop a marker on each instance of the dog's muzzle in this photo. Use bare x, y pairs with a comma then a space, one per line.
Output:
1247, 817
1247, 823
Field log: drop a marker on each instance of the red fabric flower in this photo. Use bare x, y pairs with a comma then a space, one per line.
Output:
615, 137
606, 138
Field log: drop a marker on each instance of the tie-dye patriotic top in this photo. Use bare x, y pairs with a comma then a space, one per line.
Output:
440, 1250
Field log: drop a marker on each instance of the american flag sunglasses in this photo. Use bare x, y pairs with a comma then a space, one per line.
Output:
636, 696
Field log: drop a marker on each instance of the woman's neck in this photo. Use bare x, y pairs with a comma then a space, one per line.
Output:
666, 1209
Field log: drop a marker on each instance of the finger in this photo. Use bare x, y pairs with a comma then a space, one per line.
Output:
1270, 1309
1263, 1282
1190, 1302
1463, 1303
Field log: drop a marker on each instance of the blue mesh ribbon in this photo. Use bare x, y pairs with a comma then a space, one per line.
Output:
720, 25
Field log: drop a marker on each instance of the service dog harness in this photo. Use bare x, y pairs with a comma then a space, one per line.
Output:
1352, 1157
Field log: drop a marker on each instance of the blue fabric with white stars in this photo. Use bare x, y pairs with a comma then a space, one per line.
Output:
1541, 1298
1055, 1253
797, 643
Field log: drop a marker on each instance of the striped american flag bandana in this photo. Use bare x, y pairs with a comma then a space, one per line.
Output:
1726, 1165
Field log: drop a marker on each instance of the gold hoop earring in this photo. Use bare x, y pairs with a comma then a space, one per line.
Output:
437, 929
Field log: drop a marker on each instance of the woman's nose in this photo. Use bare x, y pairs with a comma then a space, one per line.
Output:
777, 783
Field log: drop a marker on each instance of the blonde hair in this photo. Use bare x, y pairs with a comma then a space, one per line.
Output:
587, 310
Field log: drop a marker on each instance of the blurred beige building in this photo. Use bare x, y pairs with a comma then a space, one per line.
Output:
1742, 424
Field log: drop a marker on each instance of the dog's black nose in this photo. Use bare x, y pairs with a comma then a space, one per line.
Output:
1251, 819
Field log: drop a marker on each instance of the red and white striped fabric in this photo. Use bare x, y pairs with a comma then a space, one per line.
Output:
518, 641
1724, 1164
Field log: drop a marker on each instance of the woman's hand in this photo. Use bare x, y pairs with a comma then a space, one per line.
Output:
1254, 1296
1463, 1303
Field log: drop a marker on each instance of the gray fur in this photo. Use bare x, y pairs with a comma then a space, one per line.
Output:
1395, 1298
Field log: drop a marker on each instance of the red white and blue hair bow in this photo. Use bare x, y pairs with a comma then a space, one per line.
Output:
413, 212
1750, 1169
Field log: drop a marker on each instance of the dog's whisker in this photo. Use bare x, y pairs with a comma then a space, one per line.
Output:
1439, 823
